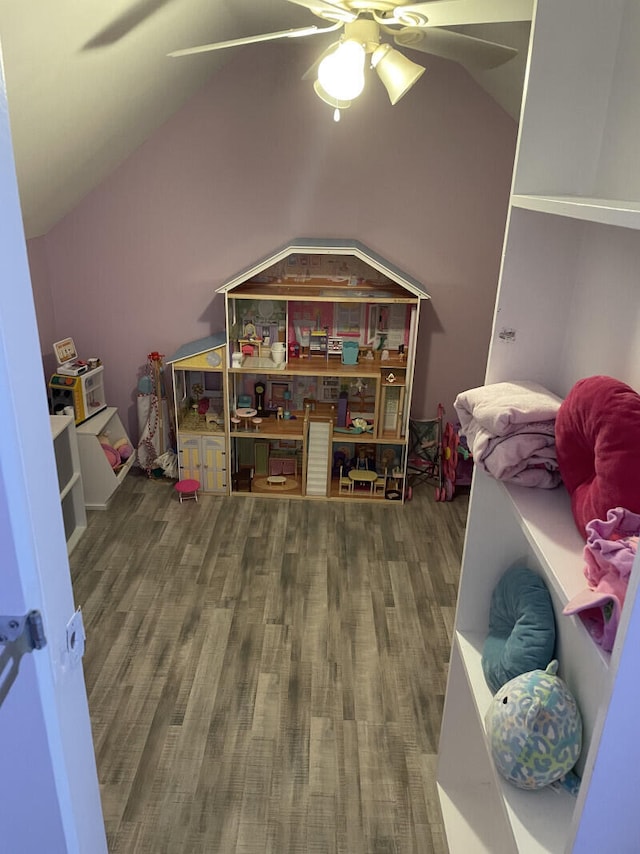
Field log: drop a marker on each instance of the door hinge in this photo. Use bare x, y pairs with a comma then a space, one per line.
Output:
30, 628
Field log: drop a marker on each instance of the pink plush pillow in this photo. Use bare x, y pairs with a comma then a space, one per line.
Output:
112, 456
598, 447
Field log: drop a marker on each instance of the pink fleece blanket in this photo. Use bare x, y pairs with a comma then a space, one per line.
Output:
597, 439
510, 429
611, 548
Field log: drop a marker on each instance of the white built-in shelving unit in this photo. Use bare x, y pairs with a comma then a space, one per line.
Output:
569, 294
65, 446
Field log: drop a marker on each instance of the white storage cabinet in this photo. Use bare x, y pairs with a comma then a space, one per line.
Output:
65, 446
99, 480
569, 292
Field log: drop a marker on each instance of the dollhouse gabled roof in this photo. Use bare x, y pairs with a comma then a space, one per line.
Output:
315, 246
202, 345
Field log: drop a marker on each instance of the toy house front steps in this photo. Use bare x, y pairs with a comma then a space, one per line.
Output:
318, 472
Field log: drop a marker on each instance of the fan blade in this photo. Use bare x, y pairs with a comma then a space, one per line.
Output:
453, 13
125, 22
470, 52
263, 37
333, 11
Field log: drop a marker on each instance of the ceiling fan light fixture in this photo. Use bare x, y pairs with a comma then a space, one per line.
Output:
336, 103
341, 73
397, 72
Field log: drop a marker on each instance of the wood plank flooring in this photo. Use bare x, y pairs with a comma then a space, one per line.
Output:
268, 675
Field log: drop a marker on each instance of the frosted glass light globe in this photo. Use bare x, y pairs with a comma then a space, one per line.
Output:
341, 74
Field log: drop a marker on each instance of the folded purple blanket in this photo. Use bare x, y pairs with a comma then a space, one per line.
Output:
526, 455
510, 428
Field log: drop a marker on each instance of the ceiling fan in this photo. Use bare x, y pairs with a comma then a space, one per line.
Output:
368, 24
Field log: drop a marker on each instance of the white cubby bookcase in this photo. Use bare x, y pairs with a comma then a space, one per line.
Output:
65, 447
569, 294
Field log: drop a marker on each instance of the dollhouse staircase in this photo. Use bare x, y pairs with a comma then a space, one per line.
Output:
318, 457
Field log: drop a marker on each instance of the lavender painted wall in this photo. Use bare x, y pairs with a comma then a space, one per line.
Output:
43, 301
253, 161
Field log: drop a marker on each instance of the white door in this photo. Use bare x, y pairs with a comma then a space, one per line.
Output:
50, 798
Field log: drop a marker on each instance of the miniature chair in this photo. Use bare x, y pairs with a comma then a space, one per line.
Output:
241, 480
380, 485
345, 484
187, 489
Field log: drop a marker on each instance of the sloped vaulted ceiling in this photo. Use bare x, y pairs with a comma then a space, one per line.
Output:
88, 82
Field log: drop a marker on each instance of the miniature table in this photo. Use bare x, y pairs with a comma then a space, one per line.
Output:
276, 480
247, 414
364, 476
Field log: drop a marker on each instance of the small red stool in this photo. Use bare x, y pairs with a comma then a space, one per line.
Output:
187, 489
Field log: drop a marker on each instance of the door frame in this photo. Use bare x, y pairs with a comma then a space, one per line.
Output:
51, 797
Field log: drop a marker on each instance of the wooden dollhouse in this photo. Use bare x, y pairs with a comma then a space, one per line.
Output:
316, 365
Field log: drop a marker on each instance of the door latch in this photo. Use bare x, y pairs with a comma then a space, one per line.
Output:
30, 628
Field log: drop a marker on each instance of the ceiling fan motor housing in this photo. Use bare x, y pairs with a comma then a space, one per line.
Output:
364, 31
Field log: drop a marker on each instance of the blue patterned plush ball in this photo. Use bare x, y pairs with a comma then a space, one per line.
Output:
535, 729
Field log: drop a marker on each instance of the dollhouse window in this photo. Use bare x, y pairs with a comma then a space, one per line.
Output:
348, 318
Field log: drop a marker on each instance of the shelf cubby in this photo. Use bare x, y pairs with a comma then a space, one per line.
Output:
65, 445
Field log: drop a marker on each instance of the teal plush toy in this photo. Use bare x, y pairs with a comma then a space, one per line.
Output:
535, 730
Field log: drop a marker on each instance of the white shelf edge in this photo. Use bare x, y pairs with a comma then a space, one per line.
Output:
540, 820
58, 424
470, 645
94, 425
617, 212
75, 477
126, 467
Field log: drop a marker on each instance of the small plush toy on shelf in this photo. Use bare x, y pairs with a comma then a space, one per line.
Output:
123, 447
535, 731
116, 453
110, 452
